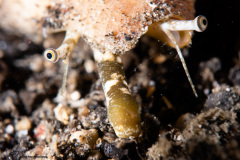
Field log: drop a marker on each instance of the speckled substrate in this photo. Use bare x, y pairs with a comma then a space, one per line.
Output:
175, 124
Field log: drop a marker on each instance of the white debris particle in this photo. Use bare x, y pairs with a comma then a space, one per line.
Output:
9, 129
23, 124
89, 66
62, 113
75, 95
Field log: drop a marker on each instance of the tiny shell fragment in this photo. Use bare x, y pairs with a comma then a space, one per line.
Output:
85, 137
62, 113
24, 124
75, 95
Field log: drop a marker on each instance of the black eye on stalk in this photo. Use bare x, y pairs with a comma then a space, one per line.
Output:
51, 55
202, 22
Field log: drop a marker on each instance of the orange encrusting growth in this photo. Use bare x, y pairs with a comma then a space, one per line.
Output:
114, 25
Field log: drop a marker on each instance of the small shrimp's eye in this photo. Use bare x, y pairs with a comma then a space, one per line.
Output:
202, 22
51, 55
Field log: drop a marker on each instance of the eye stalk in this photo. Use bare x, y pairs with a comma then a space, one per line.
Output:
51, 55
177, 33
63, 51
201, 23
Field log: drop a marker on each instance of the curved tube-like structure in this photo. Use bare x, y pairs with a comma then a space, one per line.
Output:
123, 110
177, 33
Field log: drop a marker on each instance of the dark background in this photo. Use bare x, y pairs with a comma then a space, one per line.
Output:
221, 40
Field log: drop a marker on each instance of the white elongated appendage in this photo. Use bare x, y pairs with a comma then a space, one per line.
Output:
199, 24
171, 37
63, 51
